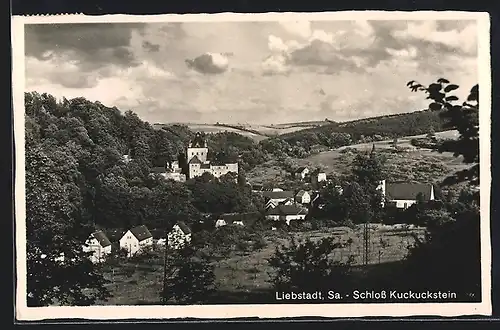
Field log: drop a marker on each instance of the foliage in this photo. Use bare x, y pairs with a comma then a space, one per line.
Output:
463, 117
450, 256
190, 277
301, 144
78, 179
307, 266
54, 230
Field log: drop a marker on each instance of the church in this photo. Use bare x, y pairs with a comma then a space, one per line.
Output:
197, 153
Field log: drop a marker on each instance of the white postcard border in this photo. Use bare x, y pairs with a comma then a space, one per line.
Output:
263, 311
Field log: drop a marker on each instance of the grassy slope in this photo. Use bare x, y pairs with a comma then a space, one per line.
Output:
419, 165
243, 273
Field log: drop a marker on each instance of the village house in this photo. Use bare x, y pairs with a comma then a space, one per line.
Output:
179, 235
136, 239
286, 213
301, 172
240, 219
404, 195
303, 197
197, 153
318, 176
99, 244
274, 198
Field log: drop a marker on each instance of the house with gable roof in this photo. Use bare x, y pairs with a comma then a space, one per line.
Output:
286, 213
301, 172
179, 235
404, 195
303, 197
99, 244
274, 198
136, 239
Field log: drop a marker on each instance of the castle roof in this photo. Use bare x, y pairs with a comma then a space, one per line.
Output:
198, 141
195, 160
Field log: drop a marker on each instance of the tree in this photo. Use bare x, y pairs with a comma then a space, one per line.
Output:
463, 117
449, 258
54, 231
190, 277
308, 266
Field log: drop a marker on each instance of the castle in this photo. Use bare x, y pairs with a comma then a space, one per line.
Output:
197, 160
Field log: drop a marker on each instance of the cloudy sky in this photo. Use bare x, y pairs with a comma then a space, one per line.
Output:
251, 72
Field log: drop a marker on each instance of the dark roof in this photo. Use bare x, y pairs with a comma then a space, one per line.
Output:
195, 160
300, 169
286, 210
185, 229
141, 232
278, 194
407, 191
115, 234
247, 218
198, 141
101, 237
257, 187
204, 165
159, 169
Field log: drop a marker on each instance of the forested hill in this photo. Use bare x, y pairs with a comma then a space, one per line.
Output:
389, 126
305, 142
76, 175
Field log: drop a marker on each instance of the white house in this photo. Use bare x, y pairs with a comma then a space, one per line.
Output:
303, 197
135, 239
302, 172
99, 244
179, 235
404, 195
318, 177
286, 213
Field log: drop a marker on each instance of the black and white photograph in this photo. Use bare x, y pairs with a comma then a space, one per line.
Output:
252, 165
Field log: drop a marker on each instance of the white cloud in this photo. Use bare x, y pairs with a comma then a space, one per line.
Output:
261, 82
465, 39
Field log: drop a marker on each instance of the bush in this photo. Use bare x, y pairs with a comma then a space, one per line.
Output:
308, 266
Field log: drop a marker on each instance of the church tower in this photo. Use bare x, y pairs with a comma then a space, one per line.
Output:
197, 148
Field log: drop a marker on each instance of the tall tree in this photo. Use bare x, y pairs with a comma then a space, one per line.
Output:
54, 231
462, 116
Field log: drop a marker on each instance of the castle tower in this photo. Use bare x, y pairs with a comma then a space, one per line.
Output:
197, 147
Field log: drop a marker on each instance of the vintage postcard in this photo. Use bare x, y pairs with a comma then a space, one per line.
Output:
252, 165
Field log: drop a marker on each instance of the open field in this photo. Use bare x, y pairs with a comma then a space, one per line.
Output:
413, 164
403, 142
254, 131
244, 272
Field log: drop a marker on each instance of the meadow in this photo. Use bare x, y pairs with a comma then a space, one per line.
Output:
243, 274
408, 164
